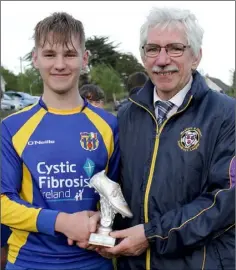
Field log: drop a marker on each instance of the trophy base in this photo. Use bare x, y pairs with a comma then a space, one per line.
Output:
101, 240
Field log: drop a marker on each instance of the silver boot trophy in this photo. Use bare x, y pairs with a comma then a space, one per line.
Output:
112, 202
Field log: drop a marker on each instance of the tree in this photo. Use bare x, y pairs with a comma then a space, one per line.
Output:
126, 64
102, 51
30, 82
10, 78
105, 52
28, 57
32, 76
108, 79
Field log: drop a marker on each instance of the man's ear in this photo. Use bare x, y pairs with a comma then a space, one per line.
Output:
197, 60
35, 58
85, 59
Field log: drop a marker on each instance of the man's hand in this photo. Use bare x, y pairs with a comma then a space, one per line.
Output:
134, 243
78, 226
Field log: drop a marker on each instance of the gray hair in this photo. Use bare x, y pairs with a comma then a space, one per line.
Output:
164, 17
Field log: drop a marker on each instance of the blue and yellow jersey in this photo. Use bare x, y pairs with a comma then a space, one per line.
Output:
48, 158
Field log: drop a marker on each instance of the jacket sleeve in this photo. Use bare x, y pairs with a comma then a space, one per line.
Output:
16, 212
114, 161
210, 214
5, 233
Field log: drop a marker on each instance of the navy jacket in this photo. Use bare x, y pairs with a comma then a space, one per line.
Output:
179, 180
5, 233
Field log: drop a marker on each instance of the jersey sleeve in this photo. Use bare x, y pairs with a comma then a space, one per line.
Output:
16, 212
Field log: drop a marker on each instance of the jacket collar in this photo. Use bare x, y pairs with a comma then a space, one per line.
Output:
198, 90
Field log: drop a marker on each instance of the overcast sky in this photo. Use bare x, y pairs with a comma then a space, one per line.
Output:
121, 21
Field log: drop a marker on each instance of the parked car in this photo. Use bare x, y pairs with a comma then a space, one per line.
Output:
8, 103
29, 97
25, 98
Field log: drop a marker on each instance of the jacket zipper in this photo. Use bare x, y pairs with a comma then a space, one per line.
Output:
154, 155
204, 258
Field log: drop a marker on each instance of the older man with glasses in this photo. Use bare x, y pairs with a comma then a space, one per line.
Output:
177, 140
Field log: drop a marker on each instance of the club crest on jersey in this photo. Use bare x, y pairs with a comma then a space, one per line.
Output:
89, 140
189, 139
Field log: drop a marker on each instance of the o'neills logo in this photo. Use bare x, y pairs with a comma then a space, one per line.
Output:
40, 142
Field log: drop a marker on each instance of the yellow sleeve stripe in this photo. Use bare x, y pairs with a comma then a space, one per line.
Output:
103, 128
26, 193
21, 138
18, 216
19, 237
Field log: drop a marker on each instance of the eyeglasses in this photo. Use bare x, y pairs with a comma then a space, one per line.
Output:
172, 49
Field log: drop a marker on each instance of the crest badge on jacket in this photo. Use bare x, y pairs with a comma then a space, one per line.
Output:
190, 139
